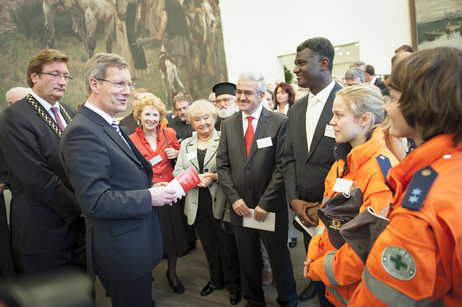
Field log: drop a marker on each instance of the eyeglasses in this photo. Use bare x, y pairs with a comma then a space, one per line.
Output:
225, 100
56, 75
120, 84
246, 93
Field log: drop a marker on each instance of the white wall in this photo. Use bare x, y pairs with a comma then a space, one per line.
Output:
256, 32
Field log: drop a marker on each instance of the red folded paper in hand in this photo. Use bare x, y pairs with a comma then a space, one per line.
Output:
185, 181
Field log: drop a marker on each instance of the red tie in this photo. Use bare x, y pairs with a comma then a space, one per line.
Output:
249, 135
58, 120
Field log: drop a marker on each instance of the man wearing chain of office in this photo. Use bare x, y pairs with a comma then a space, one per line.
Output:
46, 224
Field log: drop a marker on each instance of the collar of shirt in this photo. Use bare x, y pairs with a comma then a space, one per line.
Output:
101, 113
373, 80
286, 110
45, 103
255, 115
323, 95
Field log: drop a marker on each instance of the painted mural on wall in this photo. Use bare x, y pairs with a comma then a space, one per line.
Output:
439, 23
170, 45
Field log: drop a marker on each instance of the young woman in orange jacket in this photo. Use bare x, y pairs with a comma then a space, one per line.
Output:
416, 260
358, 113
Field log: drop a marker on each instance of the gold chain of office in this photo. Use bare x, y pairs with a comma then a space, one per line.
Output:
46, 117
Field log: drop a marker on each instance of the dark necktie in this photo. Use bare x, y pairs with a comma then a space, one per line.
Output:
58, 120
249, 133
116, 126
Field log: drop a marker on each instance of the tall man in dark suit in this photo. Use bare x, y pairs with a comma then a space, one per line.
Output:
112, 181
249, 163
46, 226
308, 154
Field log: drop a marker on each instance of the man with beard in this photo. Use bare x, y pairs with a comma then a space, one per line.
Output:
182, 128
225, 102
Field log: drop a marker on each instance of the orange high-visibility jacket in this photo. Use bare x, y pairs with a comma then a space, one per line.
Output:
416, 260
340, 270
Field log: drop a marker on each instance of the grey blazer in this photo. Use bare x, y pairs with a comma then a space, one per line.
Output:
188, 146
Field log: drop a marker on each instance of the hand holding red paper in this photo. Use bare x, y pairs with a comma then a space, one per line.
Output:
184, 182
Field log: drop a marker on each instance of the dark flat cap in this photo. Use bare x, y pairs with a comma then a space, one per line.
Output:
224, 88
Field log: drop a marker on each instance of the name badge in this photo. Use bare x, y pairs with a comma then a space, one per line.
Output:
329, 132
266, 142
342, 185
156, 160
192, 155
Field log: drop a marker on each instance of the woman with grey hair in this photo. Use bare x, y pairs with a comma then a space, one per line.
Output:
205, 203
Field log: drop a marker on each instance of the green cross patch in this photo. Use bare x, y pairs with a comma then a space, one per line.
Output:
398, 263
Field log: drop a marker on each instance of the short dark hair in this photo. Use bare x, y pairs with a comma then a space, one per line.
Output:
321, 47
430, 82
370, 70
404, 48
181, 97
98, 65
44, 57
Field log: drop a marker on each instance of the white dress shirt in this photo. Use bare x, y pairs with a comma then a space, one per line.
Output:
256, 116
314, 109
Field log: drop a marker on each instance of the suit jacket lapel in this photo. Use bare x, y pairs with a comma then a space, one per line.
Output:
43, 114
262, 125
192, 147
141, 159
212, 148
301, 119
239, 134
112, 133
64, 113
324, 120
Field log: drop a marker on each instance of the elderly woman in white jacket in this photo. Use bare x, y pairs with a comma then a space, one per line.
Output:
205, 203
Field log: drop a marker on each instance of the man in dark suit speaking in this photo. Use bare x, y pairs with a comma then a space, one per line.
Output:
249, 163
309, 147
46, 227
112, 182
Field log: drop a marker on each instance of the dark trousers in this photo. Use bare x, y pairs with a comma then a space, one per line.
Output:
54, 261
221, 251
6, 258
136, 292
248, 244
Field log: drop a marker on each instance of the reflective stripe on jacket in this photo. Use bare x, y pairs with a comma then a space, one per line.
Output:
416, 261
340, 270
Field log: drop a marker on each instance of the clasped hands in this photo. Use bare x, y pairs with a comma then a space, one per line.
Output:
206, 179
306, 212
241, 209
